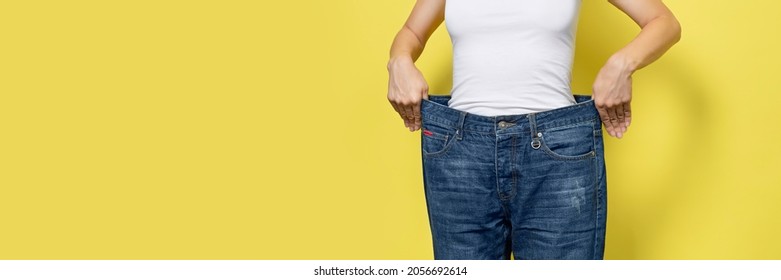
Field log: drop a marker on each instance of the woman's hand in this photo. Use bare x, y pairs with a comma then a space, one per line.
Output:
613, 95
406, 88
613, 85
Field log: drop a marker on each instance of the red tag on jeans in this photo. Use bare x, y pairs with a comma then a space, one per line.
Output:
426, 132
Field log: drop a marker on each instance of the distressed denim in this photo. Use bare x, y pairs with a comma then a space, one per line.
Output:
533, 185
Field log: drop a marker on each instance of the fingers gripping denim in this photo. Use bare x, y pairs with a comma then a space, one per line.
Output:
533, 185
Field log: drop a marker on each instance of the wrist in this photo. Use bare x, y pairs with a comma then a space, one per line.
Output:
623, 63
398, 60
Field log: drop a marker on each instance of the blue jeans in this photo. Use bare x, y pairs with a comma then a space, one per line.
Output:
531, 184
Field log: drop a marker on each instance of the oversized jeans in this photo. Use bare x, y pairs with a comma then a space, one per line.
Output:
531, 184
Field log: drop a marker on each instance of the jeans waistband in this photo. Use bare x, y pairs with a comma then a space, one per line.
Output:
436, 110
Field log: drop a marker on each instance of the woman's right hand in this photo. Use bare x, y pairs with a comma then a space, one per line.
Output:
406, 88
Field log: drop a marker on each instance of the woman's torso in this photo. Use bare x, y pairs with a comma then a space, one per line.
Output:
511, 56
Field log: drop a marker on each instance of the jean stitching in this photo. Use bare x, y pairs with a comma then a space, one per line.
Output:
448, 142
496, 166
590, 154
448, 139
596, 195
438, 136
428, 209
560, 127
512, 166
557, 156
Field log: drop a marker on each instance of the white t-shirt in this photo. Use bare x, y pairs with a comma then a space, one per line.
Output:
511, 56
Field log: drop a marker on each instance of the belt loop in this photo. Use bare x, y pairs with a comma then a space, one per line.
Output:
533, 128
460, 126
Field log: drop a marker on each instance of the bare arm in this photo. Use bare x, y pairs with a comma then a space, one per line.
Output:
406, 85
660, 30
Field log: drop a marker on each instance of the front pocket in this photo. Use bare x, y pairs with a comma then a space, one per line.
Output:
571, 142
436, 138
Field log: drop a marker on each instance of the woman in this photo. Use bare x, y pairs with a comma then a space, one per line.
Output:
513, 162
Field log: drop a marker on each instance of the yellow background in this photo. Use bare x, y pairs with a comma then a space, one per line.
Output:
261, 130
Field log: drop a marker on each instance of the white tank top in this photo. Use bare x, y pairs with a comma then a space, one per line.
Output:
511, 56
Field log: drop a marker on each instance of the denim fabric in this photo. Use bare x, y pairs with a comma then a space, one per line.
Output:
531, 184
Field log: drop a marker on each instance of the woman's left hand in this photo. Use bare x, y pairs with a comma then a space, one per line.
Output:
612, 94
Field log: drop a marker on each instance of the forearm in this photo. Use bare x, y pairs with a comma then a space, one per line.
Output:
406, 47
655, 38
